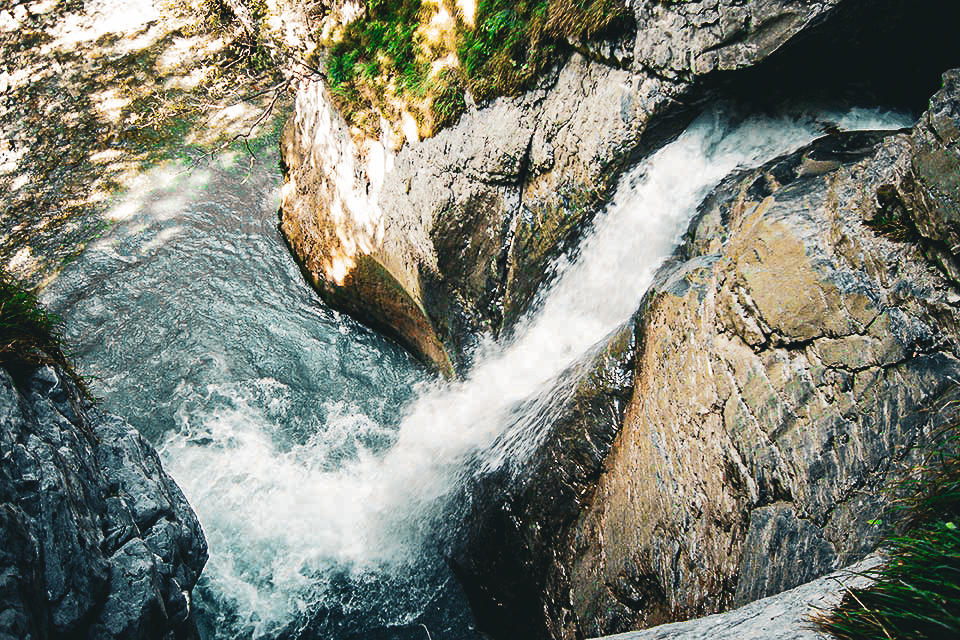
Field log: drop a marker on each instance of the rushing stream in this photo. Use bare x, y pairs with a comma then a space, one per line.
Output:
317, 454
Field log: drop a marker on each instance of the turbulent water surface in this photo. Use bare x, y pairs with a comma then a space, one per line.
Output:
317, 454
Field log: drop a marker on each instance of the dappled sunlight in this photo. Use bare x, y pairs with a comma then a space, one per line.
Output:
187, 82
449, 61
232, 118
179, 50
110, 105
439, 37
107, 155
96, 93
20, 258
19, 182
139, 41
10, 158
117, 17
165, 178
468, 9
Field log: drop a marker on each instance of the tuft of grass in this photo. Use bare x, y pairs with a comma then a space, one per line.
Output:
382, 63
377, 57
892, 218
30, 336
513, 43
916, 593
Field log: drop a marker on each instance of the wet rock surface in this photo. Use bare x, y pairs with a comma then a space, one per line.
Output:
788, 363
510, 553
98, 541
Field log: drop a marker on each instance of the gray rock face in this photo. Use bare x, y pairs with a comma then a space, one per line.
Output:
788, 363
786, 616
98, 542
512, 553
463, 227
709, 35
466, 222
928, 194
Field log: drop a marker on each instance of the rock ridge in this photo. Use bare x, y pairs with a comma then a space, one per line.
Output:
787, 366
463, 227
99, 542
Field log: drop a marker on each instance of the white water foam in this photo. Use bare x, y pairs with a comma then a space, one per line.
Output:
278, 516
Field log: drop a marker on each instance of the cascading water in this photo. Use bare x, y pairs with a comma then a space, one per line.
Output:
315, 453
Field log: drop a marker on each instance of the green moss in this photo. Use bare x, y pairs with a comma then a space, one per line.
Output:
378, 55
513, 43
381, 55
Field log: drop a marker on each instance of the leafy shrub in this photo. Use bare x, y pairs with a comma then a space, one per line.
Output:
376, 56
382, 56
513, 43
29, 336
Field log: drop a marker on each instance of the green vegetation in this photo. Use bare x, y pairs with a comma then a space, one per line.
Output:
916, 594
377, 56
515, 42
421, 57
29, 335
892, 218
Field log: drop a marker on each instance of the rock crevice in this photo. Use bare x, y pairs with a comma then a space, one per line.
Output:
788, 365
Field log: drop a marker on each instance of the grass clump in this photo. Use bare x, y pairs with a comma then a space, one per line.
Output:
513, 43
916, 593
378, 57
422, 56
30, 337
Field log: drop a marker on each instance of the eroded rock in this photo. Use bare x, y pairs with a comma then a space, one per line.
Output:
98, 541
755, 445
469, 221
789, 361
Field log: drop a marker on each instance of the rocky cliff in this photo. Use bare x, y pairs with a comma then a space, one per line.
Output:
736, 438
787, 364
98, 542
438, 240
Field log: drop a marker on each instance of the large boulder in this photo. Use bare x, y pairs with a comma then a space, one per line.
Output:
462, 228
788, 363
98, 542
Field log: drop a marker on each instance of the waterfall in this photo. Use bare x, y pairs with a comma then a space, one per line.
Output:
289, 520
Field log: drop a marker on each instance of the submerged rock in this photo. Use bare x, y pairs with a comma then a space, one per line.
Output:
789, 362
98, 542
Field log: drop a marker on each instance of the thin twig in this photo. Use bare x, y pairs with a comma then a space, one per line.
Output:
245, 137
870, 613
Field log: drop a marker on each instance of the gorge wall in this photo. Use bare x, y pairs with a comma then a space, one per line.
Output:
736, 438
739, 437
98, 541
438, 240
